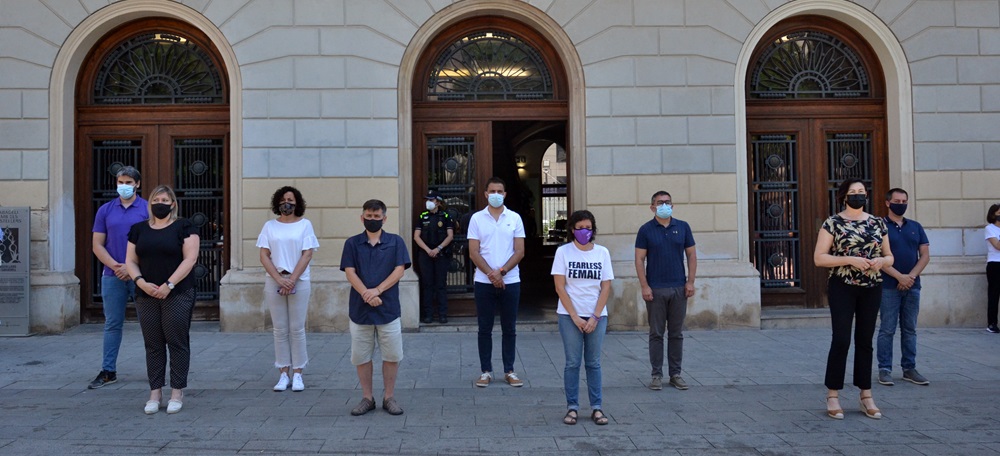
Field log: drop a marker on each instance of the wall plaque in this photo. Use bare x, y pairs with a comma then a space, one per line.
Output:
15, 268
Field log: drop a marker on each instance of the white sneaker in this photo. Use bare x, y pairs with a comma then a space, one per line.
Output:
297, 384
282, 382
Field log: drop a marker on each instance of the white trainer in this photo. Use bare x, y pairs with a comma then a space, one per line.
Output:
297, 384
282, 382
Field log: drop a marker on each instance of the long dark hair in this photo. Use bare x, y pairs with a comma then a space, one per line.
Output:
577, 217
842, 191
300, 203
991, 216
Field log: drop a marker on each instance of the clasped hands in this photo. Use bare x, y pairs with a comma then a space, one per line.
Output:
496, 278
865, 264
372, 297
585, 326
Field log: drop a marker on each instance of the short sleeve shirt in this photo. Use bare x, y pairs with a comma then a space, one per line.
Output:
584, 271
860, 238
373, 264
992, 254
287, 241
434, 227
905, 241
665, 246
115, 220
496, 241
161, 251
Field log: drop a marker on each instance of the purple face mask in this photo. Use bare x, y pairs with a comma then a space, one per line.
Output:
583, 235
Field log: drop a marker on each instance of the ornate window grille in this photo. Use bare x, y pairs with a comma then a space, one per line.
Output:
490, 66
809, 64
158, 68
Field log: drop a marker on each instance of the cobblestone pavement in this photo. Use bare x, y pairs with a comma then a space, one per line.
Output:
752, 392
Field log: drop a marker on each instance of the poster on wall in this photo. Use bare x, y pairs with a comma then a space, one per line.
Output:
15, 268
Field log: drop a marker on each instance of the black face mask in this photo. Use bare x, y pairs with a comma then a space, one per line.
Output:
286, 208
373, 226
898, 208
161, 210
857, 200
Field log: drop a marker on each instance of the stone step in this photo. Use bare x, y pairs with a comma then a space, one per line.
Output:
470, 325
783, 318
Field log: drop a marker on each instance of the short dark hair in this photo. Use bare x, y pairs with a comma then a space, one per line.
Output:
300, 203
991, 216
497, 180
374, 205
652, 200
888, 195
842, 191
576, 217
129, 171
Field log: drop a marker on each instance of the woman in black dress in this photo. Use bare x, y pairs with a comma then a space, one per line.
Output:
161, 253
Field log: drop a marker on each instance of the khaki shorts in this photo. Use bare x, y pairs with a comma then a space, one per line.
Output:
390, 342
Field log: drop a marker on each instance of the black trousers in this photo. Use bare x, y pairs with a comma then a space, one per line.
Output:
993, 291
849, 305
433, 277
166, 324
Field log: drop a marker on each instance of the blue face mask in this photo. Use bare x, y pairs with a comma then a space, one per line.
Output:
126, 191
664, 211
496, 199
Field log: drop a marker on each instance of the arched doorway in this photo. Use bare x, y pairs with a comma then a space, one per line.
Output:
153, 94
485, 92
816, 110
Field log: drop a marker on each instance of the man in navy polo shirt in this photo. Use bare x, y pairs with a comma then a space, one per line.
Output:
374, 262
111, 226
660, 249
901, 290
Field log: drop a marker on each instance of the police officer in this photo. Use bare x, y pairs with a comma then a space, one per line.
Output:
434, 231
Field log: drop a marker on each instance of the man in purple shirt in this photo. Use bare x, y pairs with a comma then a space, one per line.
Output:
111, 226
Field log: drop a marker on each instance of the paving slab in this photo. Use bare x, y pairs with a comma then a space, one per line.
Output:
752, 392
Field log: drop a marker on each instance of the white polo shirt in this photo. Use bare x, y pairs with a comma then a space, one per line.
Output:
496, 240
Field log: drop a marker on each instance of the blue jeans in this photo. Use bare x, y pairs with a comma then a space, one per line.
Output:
488, 300
902, 307
114, 293
576, 343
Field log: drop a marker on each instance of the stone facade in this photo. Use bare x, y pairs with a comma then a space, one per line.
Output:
320, 100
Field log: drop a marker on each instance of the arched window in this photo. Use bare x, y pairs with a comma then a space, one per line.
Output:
158, 67
809, 64
490, 65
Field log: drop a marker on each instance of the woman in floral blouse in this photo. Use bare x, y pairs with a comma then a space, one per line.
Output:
855, 246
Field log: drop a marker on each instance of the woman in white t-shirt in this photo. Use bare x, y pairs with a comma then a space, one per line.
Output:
992, 266
582, 274
286, 248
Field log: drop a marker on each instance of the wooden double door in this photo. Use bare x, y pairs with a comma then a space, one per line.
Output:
796, 165
190, 158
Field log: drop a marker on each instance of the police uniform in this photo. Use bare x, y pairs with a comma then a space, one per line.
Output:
434, 228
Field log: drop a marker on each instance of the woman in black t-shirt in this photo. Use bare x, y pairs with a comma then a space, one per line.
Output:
161, 253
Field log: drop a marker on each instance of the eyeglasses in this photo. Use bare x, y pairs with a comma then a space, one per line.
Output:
662, 202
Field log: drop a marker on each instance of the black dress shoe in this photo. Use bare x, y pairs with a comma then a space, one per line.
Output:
427, 320
443, 320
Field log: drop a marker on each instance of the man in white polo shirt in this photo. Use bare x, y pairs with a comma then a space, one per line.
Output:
496, 246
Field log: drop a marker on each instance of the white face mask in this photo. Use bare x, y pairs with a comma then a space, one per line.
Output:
430, 205
495, 199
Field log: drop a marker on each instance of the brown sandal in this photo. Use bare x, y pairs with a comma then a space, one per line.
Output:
873, 412
570, 417
837, 414
599, 420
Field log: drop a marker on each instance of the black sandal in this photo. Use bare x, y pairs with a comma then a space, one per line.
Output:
599, 420
570, 417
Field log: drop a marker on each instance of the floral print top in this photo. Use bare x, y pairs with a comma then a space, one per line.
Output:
861, 238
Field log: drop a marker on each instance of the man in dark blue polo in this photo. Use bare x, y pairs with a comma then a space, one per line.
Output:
661, 246
374, 262
901, 290
110, 241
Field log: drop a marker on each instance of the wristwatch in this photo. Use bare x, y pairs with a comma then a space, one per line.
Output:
503, 272
170, 285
